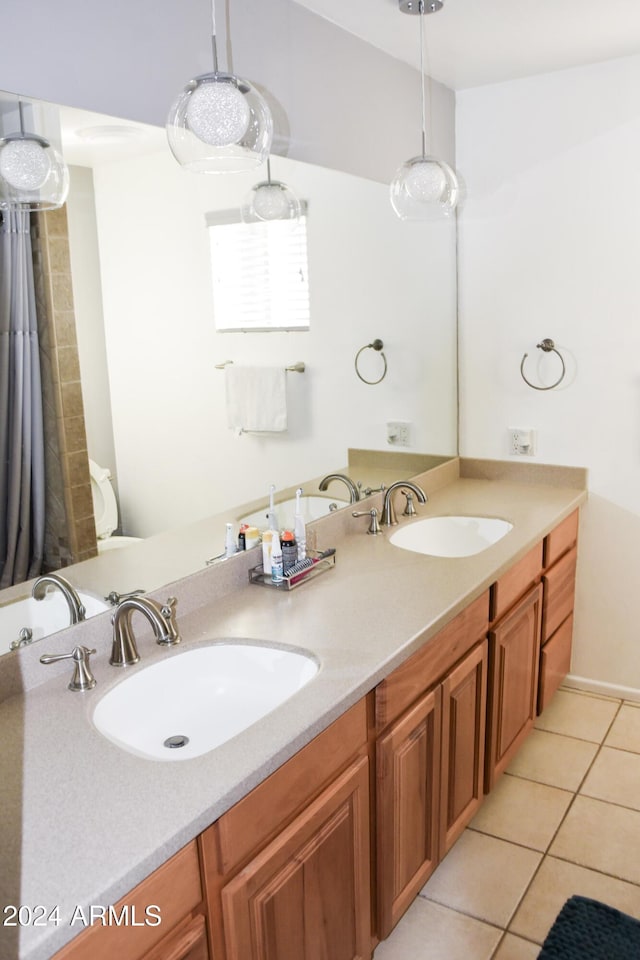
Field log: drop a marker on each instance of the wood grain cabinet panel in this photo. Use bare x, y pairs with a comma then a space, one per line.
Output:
561, 539
516, 581
464, 704
514, 652
306, 895
408, 792
175, 888
559, 592
555, 662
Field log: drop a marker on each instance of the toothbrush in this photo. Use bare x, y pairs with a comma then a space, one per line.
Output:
299, 529
273, 518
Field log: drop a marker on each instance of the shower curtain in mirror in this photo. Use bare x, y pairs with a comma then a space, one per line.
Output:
21, 431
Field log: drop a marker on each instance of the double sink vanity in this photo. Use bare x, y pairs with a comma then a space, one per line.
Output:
414, 677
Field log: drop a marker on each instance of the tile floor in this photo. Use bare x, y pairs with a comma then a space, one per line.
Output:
563, 819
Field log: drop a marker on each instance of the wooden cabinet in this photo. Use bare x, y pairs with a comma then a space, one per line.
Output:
514, 652
558, 579
175, 891
287, 869
306, 895
429, 762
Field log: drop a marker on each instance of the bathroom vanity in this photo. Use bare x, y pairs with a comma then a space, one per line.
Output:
320, 824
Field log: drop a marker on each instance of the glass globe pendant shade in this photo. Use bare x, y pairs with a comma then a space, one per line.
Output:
270, 200
219, 124
32, 173
424, 188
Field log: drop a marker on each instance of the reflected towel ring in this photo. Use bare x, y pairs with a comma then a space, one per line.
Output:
376, 345
548, 346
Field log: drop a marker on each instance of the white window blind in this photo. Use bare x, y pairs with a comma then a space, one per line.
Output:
260, 273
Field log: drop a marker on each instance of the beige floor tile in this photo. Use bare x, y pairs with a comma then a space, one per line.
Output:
429, 931
625, 732
522, 811
601, 836
515, 948
578, 715
614, 776
461, 880
555, 882
553, 759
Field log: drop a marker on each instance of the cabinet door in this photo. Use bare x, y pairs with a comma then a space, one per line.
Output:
187, 942
306, 895
464, 704
408, 789
514, 649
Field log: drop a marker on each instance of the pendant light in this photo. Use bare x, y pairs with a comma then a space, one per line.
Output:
33, 175
424, 188
270, 200
219, 123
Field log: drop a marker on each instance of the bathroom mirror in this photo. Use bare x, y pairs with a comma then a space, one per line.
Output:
150, 357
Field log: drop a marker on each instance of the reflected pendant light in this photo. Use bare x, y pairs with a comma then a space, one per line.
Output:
33, 175
270, 200
423, 188
219, 123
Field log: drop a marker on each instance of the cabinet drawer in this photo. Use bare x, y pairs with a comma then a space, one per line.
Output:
559, 591
257, 817
422, 670
515, 582
174, 887
561, 539
555, 662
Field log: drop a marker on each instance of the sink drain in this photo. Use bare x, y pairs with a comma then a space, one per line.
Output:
179, 740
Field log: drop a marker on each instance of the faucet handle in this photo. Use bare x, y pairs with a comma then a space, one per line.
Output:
114, 597
82, 678
168, 611
374, 526
410, 508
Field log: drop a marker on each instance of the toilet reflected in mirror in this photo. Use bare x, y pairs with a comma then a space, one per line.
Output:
105, 509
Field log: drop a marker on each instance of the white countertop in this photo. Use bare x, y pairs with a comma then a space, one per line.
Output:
84, 821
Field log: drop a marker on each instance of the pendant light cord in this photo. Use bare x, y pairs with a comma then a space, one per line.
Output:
422, 94
214, 45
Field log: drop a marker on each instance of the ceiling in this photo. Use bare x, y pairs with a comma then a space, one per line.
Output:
475, 42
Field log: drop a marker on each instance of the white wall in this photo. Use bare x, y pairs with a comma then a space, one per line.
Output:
548, 248
371, 276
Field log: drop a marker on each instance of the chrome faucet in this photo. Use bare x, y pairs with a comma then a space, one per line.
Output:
354, 494
388, 512
161, 616
76, 607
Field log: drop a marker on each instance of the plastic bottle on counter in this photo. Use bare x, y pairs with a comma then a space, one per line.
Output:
276, 559
242, 545
267, 538
251, 537
230, 542
289, 551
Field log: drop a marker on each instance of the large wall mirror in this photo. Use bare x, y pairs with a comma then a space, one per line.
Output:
152, 388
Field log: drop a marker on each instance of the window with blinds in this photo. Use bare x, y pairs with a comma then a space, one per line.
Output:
260, 273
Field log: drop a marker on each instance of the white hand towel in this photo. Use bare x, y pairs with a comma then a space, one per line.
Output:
256, 398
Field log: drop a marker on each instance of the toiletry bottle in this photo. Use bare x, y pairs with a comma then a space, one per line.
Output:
230, 542
251, 537
267, 538
299, 528
276, 559
241, 537
289, 551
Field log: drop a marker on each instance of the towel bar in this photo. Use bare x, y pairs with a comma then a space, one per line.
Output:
298, 367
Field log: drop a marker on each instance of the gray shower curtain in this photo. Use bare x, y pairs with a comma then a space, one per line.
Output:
21, 430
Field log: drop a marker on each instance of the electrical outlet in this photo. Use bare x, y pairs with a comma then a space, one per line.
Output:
522, 441
399, 433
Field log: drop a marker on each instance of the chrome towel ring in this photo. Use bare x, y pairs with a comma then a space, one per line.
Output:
376, 345
548, 346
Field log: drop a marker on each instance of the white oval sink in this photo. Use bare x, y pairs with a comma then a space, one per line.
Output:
207, 694
451, 536
43, 617
311, 507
